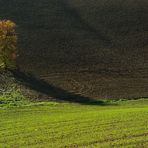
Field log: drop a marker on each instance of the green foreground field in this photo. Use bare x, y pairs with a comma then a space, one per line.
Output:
53, 125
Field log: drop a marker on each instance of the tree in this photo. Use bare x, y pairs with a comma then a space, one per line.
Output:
8, 44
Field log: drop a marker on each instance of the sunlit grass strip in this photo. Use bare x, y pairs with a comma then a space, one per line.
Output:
72, 125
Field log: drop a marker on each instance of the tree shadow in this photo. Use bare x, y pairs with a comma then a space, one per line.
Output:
59, 94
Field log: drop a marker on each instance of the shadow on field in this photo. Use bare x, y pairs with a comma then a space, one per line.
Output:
57, 93
73, 13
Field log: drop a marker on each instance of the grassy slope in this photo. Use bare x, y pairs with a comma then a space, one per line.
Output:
59, 35
116, 124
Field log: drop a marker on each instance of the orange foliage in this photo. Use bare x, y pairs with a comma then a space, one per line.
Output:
8, 44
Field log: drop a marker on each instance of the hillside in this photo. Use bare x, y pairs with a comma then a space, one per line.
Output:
59, 35
93, 48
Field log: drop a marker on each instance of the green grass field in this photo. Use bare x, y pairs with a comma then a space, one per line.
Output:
53, 125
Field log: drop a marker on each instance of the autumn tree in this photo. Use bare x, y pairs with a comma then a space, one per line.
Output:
8, 44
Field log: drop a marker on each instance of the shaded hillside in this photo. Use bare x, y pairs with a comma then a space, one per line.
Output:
92, 35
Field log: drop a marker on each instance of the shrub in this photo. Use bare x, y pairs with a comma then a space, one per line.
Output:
8, 44
12, 98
